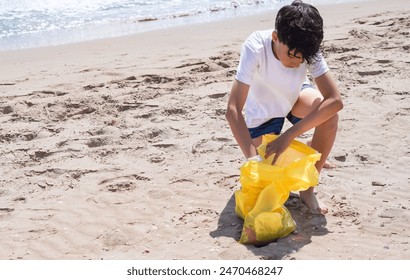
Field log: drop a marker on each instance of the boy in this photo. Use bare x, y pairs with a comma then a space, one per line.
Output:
271, 83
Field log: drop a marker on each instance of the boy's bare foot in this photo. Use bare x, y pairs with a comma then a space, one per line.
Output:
329, 165
309, 198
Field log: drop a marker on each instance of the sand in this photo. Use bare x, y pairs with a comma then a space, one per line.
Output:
119, 148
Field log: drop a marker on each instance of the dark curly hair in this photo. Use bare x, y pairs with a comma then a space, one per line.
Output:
300, 27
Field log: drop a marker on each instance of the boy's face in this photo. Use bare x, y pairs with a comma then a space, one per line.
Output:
281, 52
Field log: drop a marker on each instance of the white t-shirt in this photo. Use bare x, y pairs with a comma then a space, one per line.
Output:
274, 88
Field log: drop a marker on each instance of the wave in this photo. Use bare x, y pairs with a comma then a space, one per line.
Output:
30, 23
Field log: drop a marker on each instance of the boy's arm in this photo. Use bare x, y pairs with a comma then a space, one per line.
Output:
236, 121
328, 107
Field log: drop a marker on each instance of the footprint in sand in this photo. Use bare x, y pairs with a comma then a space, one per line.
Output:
113, 239
124, 183
156, 159
227, 59
4, 211
337, 49
209, 145
360, 34
228, 182
370, 72
205, 68
190, 64
175, 111
93, 87
166, 145
121, 187
198, 218
20, 136
341, 208
6, 110
160, 194
96, 142
217, 95
56, 111
155, 79
183, 184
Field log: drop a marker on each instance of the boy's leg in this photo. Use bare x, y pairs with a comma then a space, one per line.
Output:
322, 141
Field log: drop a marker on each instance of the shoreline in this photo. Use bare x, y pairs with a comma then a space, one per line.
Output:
124, 27
119, 148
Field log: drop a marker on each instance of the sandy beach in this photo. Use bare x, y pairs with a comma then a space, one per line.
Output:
119, 148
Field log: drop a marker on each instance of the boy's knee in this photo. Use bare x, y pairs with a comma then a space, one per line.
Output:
308, 100
332, 122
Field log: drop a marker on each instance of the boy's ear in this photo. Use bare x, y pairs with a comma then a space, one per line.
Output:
274, 36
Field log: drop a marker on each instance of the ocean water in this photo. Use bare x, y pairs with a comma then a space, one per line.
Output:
36, 23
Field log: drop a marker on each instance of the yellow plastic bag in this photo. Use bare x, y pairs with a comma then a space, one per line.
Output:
266, 187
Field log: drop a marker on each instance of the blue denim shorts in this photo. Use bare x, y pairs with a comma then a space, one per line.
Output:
275, 125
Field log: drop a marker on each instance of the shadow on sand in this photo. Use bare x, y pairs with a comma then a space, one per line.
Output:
308, 225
